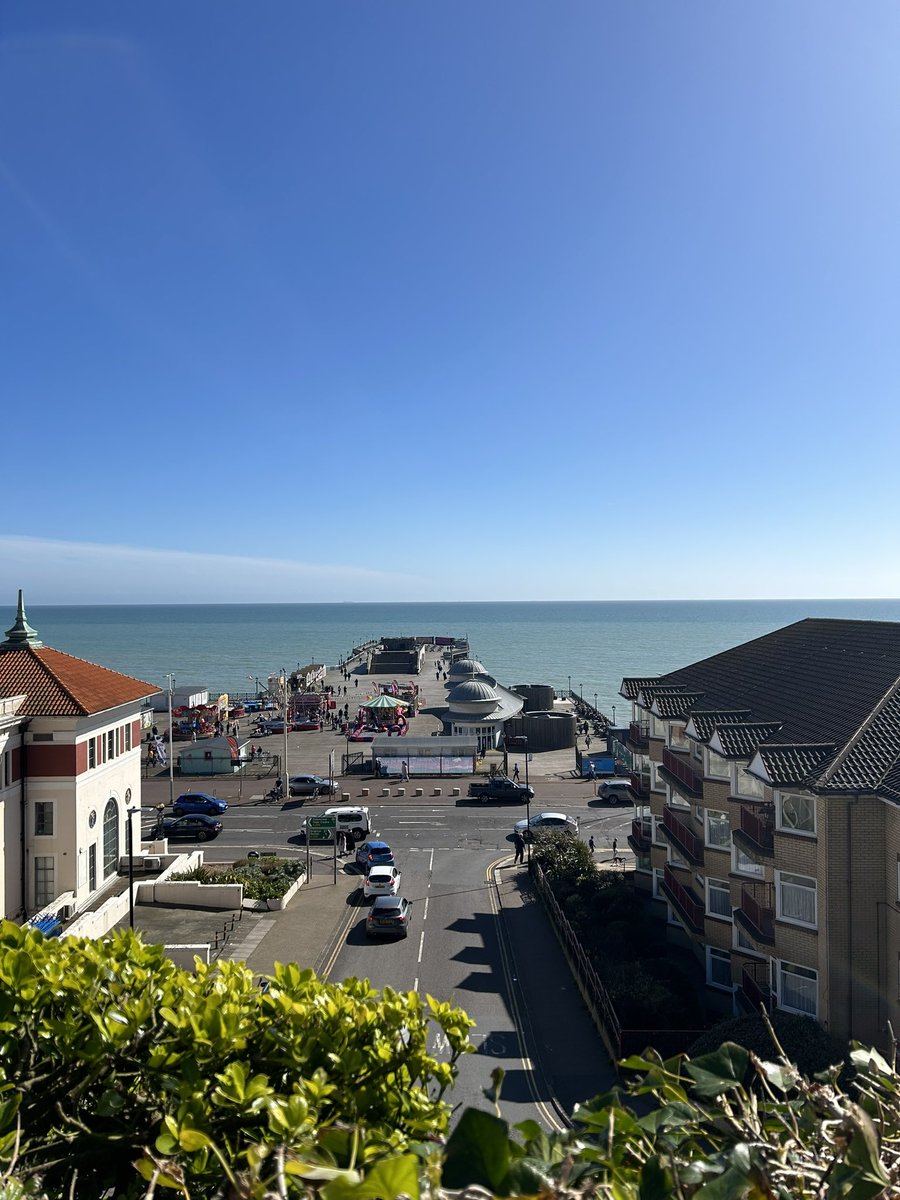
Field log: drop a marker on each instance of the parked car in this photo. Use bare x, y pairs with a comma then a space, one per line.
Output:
616, 791
549, 821
196, 828
311, 785
382, 881
199, 802
374, 854
389, 916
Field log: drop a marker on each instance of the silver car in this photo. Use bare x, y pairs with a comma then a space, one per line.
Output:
549, 821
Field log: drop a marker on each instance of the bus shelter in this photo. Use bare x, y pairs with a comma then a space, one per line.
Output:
407, 757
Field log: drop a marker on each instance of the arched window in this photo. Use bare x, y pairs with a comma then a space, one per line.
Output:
110, 837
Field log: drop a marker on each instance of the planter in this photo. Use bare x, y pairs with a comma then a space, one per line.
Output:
279, 902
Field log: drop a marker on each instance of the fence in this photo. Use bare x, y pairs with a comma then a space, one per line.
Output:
619, 1042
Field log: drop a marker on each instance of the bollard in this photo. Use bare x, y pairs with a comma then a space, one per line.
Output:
437, 792
454, 791
364, 792
385, 791
401, 792
345, 797
418, 792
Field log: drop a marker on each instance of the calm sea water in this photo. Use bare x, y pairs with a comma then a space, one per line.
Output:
593, 643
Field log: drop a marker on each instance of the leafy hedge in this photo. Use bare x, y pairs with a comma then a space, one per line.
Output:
265, 878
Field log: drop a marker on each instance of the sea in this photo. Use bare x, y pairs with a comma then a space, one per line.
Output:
585, 646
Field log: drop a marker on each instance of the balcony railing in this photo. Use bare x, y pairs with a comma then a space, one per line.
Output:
683, 900
682, 773
684, 838
756, 913
639, 734
759, 826
640, 785
756, 985
641, 835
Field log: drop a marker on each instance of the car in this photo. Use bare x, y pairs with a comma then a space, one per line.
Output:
548, 821
616, 791
382, 881
389, 916
374, 854
199, 802
311, 785
197, 827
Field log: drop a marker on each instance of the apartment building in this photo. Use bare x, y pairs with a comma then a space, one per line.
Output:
70, 774
768, 824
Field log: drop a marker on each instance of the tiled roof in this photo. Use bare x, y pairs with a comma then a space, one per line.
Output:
870, 761
706, 721
632, 685
740, 739
787, 765
675, 704
59, 685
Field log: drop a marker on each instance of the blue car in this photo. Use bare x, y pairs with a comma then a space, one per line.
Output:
374, 854
199, 802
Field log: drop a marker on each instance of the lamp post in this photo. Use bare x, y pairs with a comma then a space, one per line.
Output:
614, 716
171, 679
284, 692
527, 805
569, 697
581, 692
595, 703
129, 836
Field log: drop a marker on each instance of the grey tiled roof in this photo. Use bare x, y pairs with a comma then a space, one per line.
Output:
795, 764
631, 685
817, 684
676, 704
740, 739
706, 721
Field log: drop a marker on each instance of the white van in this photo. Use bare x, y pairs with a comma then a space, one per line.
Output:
616, 791
349, 819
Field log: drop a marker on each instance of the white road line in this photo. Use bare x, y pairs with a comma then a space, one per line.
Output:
416, 984
431, 861
425, 909
421, 945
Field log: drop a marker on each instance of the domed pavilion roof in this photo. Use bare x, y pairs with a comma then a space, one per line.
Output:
472, 691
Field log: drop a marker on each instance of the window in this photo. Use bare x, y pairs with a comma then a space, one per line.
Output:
747, 784
718, 898
7, 768
658, 893
110, 837
717, 767
798, 989
657, 727
797, 814
745, 944
718, 968
642, 862
655, 836
126, 730
43, 818
44, 879
796, 898
92, 753
743, 864
718, 829
674, 859
110, 745
677, 738
657, 783
697, 753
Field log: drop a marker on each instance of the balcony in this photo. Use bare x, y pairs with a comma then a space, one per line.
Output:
686, 904
682, 837
756, 986
757, 829
640, 785
756, 913
638, 736
640, 838
679, 772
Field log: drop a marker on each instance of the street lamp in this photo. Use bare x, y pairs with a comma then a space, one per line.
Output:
171, 679
614, 716
129, 835
570, 688
595, 704
581, 692
284, 691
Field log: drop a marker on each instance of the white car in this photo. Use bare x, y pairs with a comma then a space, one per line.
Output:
549, 821
382, 881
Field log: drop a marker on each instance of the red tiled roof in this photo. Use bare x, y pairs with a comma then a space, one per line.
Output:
59, 685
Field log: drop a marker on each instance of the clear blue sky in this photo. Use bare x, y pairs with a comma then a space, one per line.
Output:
396, 300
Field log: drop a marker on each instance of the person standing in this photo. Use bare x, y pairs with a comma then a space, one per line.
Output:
615, 849
591, 843
519, 843
516, 773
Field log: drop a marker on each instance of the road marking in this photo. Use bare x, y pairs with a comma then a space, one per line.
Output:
431, 862
421, 945
425, 908
416, 984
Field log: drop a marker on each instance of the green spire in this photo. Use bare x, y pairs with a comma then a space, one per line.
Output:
21, 633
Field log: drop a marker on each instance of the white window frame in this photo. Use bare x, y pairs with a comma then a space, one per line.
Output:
676, 738
715, 766
809, 974
47, 865
756, 871
713, 953
792, 880
674, 858
656, 783
740, 774
742, 942
44, 806
656, 837
719, 886
779, 810
716, 812
658, 875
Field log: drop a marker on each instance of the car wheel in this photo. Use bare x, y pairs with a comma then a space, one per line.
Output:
202, 835
179, 812
358, 834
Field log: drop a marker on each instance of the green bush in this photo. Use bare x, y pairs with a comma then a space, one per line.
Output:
263, 878
803, 1040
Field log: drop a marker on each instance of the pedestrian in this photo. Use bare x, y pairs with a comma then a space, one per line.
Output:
519, 843
516, 772
356, 683
615, 849
591, 843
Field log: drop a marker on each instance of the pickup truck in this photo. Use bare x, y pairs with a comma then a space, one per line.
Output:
500, 788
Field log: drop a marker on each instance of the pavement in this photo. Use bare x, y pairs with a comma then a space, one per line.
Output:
558, 1030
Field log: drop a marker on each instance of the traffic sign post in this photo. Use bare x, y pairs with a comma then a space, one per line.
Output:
322, 825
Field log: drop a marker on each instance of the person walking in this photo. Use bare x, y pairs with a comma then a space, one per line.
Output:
615, 850
519, 843
591, 843
516, 772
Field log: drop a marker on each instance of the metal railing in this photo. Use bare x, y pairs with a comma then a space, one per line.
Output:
642, 833
758, 908
687, 841
759, 826
757, 986
684, 899
682, 771
639, 733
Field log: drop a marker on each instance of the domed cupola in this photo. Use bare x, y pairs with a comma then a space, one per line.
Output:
465, 668
473, 698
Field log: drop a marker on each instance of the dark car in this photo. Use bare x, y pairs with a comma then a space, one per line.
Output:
196, 828
389, 917
199, 802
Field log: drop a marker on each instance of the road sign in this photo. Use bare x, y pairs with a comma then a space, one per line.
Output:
323, 823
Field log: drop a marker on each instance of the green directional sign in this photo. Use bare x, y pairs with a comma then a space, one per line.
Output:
322, 824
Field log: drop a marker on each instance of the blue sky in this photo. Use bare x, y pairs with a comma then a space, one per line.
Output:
348, 301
